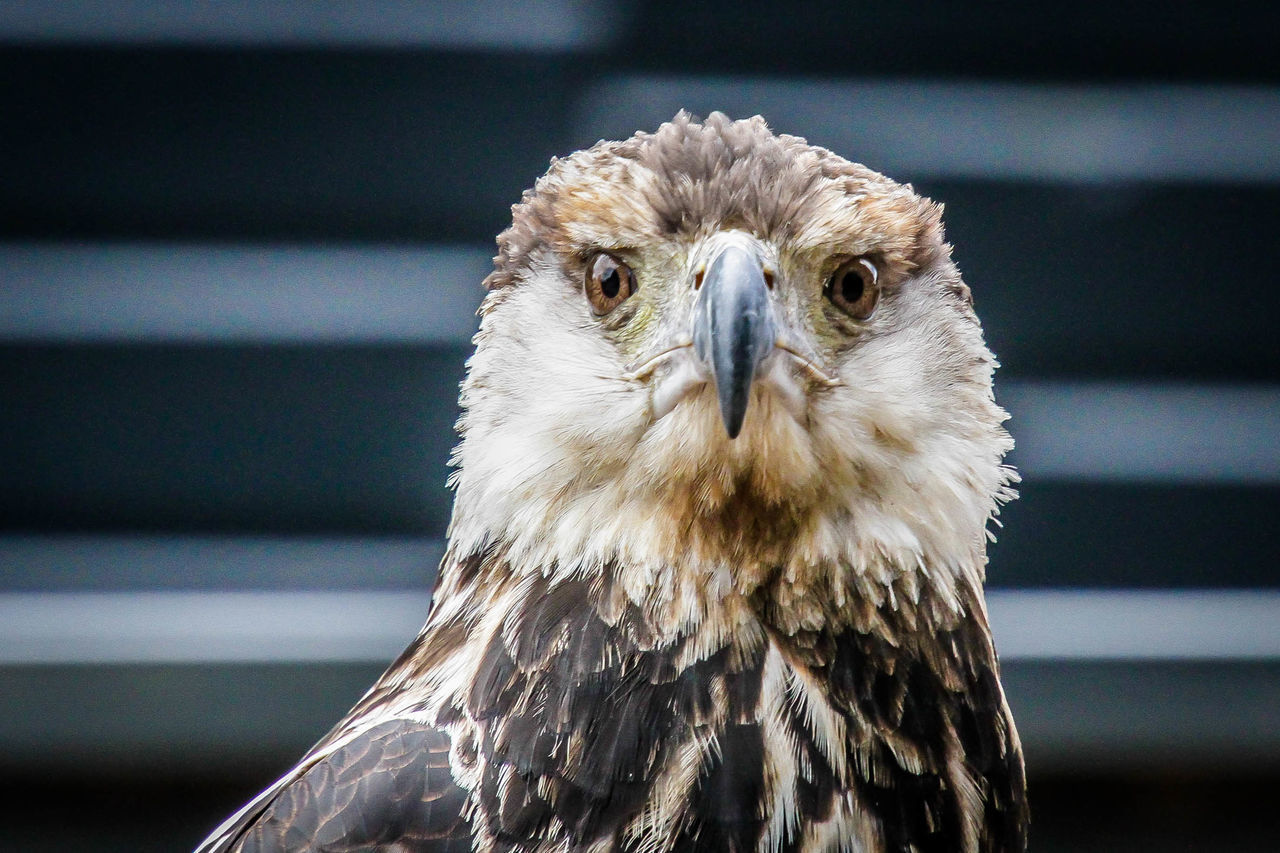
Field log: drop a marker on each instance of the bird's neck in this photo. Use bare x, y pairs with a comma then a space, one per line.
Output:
809, 564
720, 582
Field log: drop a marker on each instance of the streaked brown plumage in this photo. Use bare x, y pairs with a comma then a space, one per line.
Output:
652, 631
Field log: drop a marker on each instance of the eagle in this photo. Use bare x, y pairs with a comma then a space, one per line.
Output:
729, 454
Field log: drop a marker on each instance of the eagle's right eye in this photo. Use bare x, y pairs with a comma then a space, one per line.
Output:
609, 283
854, 288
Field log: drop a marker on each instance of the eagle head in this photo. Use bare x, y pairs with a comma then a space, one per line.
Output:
716, 345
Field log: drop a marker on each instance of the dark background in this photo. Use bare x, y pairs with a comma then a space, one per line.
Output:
238, 254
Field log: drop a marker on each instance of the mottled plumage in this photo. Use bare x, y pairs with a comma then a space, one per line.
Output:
713, 583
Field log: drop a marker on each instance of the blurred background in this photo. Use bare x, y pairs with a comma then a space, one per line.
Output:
240, 248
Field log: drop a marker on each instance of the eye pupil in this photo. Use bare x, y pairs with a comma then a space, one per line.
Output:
851, 287
611, 284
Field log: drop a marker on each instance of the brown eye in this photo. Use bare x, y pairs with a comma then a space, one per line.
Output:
610, 282
853, 288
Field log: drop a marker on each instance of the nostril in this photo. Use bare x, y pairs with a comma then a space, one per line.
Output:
768, 279
697, 279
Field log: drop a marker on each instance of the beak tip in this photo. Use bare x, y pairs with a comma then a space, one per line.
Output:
733, 409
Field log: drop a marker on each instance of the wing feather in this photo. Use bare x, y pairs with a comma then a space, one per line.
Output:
385, 789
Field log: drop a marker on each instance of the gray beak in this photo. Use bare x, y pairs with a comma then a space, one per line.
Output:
733, 328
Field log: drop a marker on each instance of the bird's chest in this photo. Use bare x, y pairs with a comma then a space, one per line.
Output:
745, 744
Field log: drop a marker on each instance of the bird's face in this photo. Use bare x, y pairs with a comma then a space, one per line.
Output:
727, 342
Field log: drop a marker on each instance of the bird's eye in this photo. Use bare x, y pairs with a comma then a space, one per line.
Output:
853, 288
610, 282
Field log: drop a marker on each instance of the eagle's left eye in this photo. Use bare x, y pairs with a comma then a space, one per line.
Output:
609, 283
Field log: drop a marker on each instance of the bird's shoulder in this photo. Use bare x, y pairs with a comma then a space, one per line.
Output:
381, 788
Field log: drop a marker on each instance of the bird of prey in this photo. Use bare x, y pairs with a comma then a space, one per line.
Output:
729, 453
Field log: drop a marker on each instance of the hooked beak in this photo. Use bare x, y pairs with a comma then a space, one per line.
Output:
733, 328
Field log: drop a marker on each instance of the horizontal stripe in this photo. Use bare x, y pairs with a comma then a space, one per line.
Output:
1154, 625
243, 627
147, 293
196, 627
1156, 432
915, 130
535, 25
131, 562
